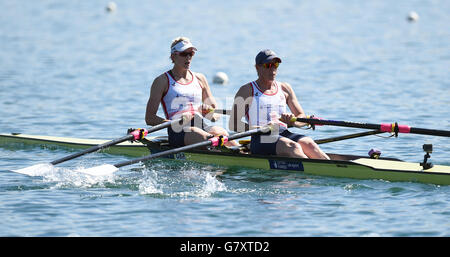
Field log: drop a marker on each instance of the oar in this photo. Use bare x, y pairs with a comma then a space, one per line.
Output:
133, 135
384, 127
339, 138
220, 111
215, 141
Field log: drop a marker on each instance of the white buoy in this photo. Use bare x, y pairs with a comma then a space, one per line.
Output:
111, 7
220, 78
413, 17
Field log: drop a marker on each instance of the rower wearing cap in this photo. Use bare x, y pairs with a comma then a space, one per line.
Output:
183, 94
264, 102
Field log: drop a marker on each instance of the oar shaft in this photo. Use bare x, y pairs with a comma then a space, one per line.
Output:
222, 111
113, 142
192, 146
163, 125
92, 149
434, 132
339, 123
339, 138
385, 127
163, 153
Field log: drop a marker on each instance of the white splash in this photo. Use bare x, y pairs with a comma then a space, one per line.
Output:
186, 183
79, 177
102, 170
149, 184
212, 185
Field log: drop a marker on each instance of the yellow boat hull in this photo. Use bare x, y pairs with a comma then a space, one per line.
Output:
345, 166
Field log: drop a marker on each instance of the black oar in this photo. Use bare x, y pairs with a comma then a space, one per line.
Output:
133, 135
220, 111
215, 141
384, 127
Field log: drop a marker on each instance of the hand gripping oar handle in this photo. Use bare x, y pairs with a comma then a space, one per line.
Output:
384, 127
219, 111
215, 141
135, 134
222, 111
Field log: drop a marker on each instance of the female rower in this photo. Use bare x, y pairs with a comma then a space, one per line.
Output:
183, 94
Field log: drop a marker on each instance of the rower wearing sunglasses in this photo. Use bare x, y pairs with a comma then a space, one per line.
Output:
183, 94
263, 102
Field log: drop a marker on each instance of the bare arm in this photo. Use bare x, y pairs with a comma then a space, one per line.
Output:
240, 107
291, 100
207, 97
157, 90
293, 104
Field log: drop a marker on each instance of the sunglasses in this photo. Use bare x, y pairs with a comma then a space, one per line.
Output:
184, 54
270, 65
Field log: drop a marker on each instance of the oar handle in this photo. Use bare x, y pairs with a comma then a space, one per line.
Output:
384, 127
220, 111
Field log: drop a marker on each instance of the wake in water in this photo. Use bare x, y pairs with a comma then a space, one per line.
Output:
66, 176
160, 179
186, 181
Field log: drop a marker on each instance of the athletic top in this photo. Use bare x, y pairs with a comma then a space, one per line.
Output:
266, 107
180, 98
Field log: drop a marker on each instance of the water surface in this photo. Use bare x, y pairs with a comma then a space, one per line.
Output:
72, 69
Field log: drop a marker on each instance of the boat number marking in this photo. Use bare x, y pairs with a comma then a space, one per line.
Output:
180, 156
176, 156
286, 165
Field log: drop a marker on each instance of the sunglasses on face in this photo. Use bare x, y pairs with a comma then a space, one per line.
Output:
270, 65
184, 54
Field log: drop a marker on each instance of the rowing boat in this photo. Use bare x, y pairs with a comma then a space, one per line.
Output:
347, 166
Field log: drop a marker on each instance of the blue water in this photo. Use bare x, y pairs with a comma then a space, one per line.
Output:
69, 68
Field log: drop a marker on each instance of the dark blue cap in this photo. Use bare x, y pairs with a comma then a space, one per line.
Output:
266, 56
